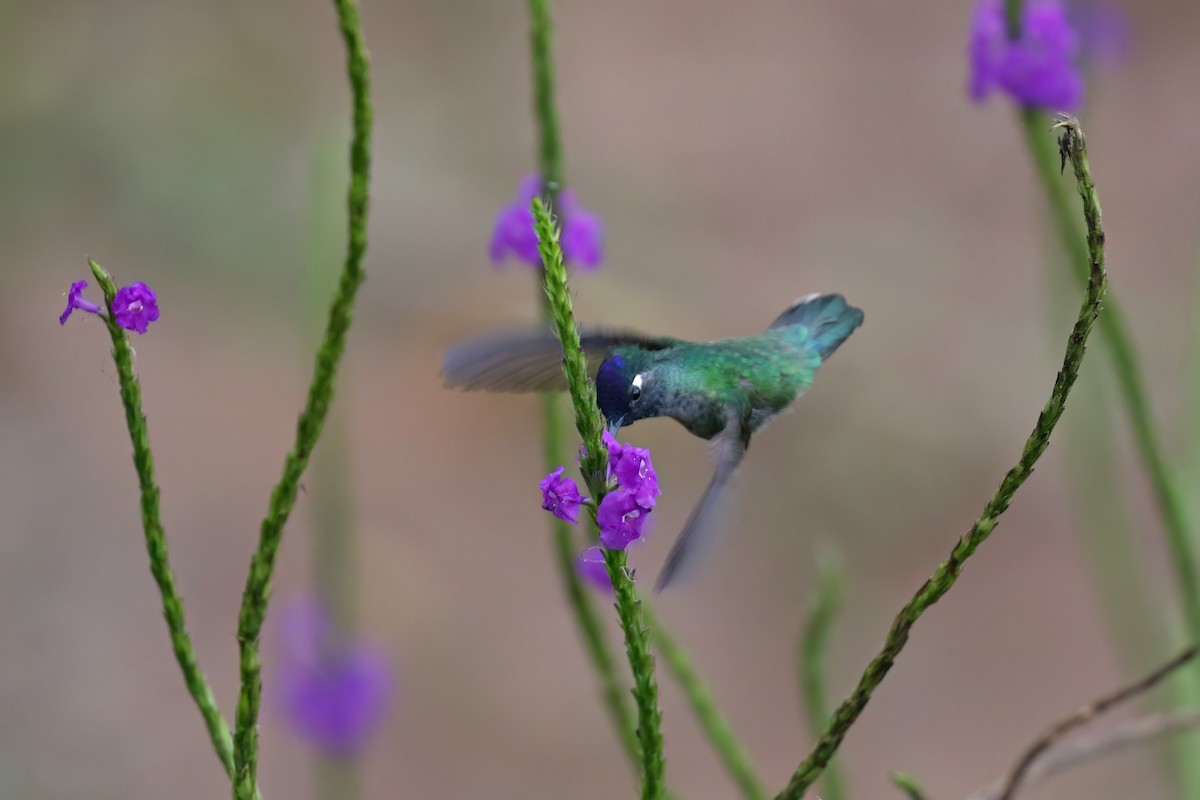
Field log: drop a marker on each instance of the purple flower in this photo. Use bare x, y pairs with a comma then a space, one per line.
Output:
582, 236
621, 519
333, 693
611, 444
632, 468
560, 496
591, 566
135, 306
1103, 28
1037, 69
75, 300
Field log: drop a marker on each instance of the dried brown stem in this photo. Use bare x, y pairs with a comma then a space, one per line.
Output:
1088, 713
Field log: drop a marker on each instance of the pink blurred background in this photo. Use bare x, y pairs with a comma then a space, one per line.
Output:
740, 158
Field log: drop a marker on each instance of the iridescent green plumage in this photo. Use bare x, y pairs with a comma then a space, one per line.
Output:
722, 391
700, 384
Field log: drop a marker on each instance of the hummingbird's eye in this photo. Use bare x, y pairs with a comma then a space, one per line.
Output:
635, 388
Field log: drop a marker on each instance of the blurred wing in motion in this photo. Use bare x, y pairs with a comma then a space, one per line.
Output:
706, 521
530, 359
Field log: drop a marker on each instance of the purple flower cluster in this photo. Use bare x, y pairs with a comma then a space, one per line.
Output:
334, 694
1039, 68
623, 512
582, 231
134, 306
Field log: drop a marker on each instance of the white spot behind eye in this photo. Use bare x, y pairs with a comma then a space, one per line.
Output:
637, 381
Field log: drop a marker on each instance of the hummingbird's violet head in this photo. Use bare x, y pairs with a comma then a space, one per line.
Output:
623, 390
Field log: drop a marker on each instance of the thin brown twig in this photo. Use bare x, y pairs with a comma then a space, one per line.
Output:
1067, 754
1086, 714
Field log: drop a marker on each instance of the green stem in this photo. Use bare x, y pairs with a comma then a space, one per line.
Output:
1125, 367
592, 630
333, 567
813, 645
641, 663
947, 573
336, 776
156, 538
589, 423
308, 429
1111, 550
1125, 364
1191, 406
549, 140
736, 760
551, 171
1012, 19
908, 784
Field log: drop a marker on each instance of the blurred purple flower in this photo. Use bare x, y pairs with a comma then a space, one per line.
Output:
560, 496
334, 694
1103, 28
582, 236
75, 300
621, 519
1037, 69
135, 306
591, 566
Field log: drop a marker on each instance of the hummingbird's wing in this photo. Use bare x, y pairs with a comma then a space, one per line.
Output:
529, 359
704, 522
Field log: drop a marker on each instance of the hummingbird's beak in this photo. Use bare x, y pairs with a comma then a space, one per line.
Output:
614, 425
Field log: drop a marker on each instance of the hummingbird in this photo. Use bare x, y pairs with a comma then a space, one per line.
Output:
723, 391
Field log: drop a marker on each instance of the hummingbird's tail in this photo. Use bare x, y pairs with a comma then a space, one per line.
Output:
828, 318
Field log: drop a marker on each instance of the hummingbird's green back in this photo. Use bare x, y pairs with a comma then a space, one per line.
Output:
701, 384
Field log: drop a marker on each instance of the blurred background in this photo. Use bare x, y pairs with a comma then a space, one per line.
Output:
739, 159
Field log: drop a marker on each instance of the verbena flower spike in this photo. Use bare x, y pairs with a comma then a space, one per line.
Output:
582, 234
1037, 68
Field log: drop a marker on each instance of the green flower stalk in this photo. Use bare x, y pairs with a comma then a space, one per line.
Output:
1012, 18
156, 538
308, 430
591, 626
813, 646
1119, 344
716, 729
1057, 83
1129, 379
594, 462
335, 776
549, 140
944, 577
565, 548
550, 162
